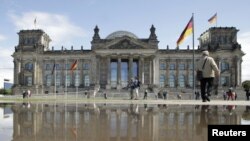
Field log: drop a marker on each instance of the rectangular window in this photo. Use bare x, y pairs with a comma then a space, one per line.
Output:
58, 66
162, 66
28, 80
162, 80
47, 67
181, 66
77, 80
172, 66
86, 66
67, 67
190, 66
58, 80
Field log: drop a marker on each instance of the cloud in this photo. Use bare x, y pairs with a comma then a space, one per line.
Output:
2, 37
243, 39
59, 27
6, 65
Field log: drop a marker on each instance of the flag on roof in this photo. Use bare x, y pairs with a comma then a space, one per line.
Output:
213, 19
186, 32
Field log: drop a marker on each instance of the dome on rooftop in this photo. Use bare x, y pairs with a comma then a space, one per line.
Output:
118, 34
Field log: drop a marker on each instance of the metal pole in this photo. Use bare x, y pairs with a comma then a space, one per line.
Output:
193, 57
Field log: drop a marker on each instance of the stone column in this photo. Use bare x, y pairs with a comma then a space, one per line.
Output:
218, 80
141, 69
34, 73
97, 70
130, 68
187, 72
150, 71
237, 71
16, 71
177, 73
119, 73
108, 73
167, 72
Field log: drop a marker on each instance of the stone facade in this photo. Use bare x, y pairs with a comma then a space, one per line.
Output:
114, 60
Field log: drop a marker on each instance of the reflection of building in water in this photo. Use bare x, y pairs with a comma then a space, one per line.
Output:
117, 122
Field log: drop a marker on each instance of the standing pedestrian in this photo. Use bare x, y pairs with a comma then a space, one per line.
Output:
209, 70
131, 88
247, 94
145, 94
225, 95
136, 87
165, 94
24, 94
28, 93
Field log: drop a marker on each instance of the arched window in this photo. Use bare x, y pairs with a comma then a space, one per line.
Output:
28, 66
162, 80
171, 80
182, 81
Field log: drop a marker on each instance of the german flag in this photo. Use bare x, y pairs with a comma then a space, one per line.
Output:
213, 19
186, 32
73, 66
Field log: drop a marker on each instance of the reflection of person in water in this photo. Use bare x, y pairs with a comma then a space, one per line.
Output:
134, 112
230, 109
203, 119
26, 105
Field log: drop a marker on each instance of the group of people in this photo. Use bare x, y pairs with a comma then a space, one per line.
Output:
134, 86
26, 94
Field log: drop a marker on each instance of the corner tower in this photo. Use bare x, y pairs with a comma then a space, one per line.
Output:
27, 68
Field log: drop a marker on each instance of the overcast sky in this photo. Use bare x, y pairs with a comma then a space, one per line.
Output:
71, 22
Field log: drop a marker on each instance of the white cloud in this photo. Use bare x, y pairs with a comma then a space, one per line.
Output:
6, 65
59, 27
2, 37
243, 39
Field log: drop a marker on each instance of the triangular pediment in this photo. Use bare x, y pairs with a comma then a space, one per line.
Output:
126, 43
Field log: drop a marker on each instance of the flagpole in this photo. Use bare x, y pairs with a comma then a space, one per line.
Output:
216, 19
55, 80
193, 57
66, 81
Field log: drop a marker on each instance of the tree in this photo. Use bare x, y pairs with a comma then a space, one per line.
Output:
246, 85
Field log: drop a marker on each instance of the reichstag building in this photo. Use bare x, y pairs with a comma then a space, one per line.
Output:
113, 61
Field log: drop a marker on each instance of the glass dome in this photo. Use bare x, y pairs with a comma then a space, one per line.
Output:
118, 34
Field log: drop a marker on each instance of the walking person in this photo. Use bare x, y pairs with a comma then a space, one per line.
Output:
131, 88
137, 84
209, 70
